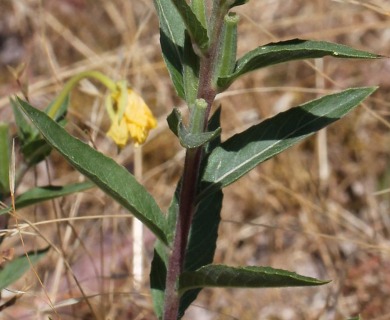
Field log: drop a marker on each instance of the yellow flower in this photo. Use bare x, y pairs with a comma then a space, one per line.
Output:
131, 118
118, 132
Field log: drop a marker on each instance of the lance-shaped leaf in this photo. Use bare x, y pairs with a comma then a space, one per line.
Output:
284, 51
26, 132
4, 159
14, 269
34, 148
40, 194
199, 8
243, 277
194, 27
172, 31
244, 151
190, 72
109, 176
158, 274
202, 242
235, 3
44, 193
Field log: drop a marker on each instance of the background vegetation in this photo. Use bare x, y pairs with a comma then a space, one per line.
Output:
320, 212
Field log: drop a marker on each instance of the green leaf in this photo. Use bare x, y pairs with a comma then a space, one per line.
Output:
244, 151
214, 124
35, 151
40, 194
199, 8
243, 277
26, 132
172, 30
202, 242
193, 140
111, 177
238, 3
190, 72
174, 120
5, 210
284, 51
187, 139
44, 193
34, 148
158, 274
194, 27
14, 269
4, 159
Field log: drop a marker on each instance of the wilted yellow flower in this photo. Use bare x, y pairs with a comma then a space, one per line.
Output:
131, 118
118, 132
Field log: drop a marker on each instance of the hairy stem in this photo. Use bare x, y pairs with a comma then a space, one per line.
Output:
188, 192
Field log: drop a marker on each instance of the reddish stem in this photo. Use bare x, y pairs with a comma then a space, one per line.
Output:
188, 192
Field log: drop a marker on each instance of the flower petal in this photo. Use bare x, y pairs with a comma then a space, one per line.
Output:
118, 132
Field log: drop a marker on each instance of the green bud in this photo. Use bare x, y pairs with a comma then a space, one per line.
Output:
198, 116
228, 48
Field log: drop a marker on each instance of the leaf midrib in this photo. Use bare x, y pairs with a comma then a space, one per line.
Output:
214, 182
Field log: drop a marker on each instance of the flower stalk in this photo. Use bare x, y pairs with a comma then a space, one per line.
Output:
68, 87
130, 117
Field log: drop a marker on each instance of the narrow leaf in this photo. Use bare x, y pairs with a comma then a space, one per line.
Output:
4, 159
190, 72
14, 269
111, 177
45, 193
34, 148
244, 151
296, 49
243, 277
235, 3
194, 27
158, 274
174, 120
35, 151
26, 132
202, 242
199, 8
172, 30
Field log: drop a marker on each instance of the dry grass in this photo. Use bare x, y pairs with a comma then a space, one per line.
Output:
321, 209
